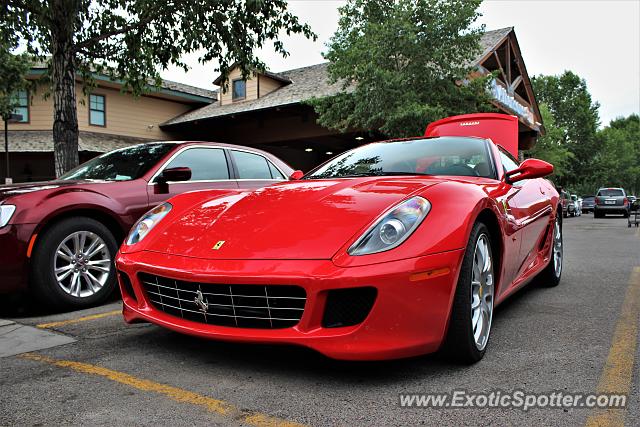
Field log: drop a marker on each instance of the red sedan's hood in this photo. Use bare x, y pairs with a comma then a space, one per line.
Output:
294, 220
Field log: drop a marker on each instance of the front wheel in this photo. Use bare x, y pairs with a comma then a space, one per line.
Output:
472, 310
73, 264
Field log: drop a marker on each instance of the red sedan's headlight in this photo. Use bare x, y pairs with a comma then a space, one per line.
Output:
147, 222
6, 212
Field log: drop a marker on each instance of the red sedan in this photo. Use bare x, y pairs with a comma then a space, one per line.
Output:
58, 239
388, 250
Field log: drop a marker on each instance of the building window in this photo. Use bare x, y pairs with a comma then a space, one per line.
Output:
21, 100
97, 111
239, 89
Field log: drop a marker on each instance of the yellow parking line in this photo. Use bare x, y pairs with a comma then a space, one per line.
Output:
618, 371
216, 406
78, 320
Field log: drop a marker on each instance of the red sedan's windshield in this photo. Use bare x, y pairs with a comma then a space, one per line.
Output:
121, 165
456, 156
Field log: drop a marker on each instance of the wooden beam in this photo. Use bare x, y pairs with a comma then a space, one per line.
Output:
515, 83
508, 60
500, 67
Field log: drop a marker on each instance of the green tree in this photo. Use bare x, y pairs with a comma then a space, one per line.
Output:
551, 147
402, 64
13, 69
131, 40
569, 100
617, 163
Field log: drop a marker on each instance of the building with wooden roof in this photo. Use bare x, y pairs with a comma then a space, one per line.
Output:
107, 119
268, 110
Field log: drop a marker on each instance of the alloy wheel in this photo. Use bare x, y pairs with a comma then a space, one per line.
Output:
557, 248
82, 264
482, 292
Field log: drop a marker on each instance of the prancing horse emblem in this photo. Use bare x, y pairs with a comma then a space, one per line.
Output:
218, 245
200, 302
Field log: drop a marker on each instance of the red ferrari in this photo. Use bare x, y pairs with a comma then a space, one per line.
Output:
393, 249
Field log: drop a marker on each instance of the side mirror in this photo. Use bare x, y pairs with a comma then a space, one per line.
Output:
529, 169
175, 174
171, 174
296, 175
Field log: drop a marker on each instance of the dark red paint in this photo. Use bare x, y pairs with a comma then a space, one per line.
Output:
118, 204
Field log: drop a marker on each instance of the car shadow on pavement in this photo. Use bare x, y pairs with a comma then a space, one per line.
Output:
287, 360
22, 305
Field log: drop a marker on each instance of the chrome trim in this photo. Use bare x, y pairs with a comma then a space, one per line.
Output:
182, 150
186, 300
214, 147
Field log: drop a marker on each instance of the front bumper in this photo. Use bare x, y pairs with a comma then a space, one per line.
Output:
14, 263
409, 316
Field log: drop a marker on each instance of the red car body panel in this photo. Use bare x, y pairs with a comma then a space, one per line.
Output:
500, 128
120, 203
298, 233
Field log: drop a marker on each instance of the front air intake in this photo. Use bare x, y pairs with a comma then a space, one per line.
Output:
348, 307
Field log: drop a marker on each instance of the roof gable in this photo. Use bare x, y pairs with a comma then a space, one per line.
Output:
312, 81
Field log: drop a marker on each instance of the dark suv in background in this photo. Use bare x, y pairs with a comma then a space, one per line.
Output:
588, 203
611, 201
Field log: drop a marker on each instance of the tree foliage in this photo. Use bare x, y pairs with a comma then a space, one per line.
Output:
132, 40
569, 100
402, 64
551, 146
13, 69
617, 162
585, 157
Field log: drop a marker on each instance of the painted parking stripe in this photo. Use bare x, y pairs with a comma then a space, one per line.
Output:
618, 370
176, 394
78, 320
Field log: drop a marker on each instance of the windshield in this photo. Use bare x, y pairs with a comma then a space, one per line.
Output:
455, 156
611, 192
121, 165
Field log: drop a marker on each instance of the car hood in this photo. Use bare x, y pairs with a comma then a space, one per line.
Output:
12, 190
310, 219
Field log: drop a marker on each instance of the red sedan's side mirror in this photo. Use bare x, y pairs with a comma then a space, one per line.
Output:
296, 175
529, 169
176, 174
173, 175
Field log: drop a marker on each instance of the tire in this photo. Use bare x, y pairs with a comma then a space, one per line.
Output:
76, 289
551, 275
460, 343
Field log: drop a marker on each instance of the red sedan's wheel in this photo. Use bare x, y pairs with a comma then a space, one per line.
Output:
472, 311
73, 264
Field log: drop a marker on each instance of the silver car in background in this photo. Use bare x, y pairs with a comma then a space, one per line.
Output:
611, 201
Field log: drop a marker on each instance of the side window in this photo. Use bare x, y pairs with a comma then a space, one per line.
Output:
508, 162
21, 100
275, 173
251, 166
206, 164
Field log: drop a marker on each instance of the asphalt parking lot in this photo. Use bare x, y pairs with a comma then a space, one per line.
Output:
579, 337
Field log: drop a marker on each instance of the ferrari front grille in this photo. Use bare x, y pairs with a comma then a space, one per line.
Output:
241, 306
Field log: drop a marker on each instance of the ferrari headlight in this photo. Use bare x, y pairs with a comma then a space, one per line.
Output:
147, 222
6, 212
393, 228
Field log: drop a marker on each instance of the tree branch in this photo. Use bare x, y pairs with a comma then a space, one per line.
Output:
86, 43
17, 4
